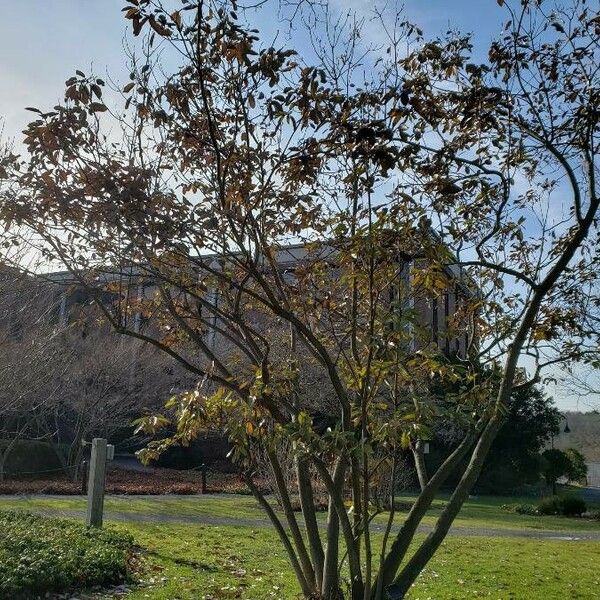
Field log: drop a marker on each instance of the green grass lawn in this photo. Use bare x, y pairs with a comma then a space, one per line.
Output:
186, 561
203, 562
484, 511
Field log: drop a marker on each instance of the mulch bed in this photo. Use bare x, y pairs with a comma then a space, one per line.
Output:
121, 481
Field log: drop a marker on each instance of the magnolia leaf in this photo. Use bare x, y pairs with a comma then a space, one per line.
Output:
176, 17
160, 29
97, 90
98, 107
405, 440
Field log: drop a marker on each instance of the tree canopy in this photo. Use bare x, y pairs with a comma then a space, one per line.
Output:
514, 458
428, 174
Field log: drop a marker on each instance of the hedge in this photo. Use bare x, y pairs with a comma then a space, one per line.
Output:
40, 555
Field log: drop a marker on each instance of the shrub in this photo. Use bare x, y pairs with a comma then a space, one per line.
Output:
404, 506
568, 506
521, 509
526, 509
550, 506
41, 555
556, 465
578, 469
572, 506
32, 457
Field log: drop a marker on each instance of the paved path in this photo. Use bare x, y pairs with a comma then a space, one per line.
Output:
260, 523
129, 462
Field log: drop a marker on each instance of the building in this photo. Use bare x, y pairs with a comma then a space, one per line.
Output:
437, 315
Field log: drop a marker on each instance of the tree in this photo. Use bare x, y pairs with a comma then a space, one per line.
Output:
435, 175
556, 465
582, 379
577, 469
107, 383
582, 382
65, 382
30, 355
514, 458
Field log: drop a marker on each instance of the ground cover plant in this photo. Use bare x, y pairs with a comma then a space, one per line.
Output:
39, 555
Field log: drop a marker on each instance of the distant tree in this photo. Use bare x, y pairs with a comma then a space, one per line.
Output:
578, 469
514, 457
583, 382
108, 383
556, 465
65, 382
31, 358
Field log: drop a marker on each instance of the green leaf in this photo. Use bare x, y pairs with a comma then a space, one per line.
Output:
405, 440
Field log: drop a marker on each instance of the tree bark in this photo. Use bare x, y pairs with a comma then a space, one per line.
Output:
307, 567
3, 456
336, 496
307, 504
406, 534
418, 450
307, 590
423, 555
330, 589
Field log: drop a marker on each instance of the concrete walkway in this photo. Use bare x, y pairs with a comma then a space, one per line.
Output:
134, 517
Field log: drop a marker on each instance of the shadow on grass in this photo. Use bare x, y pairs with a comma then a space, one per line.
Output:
184, 562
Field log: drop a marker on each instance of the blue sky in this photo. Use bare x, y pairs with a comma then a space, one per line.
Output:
42, 42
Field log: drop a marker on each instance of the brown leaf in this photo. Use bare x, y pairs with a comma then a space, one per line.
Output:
137, 24
176, 16
164, 31
98, 107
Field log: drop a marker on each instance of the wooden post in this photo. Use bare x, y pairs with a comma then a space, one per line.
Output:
203, 471
97, 473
